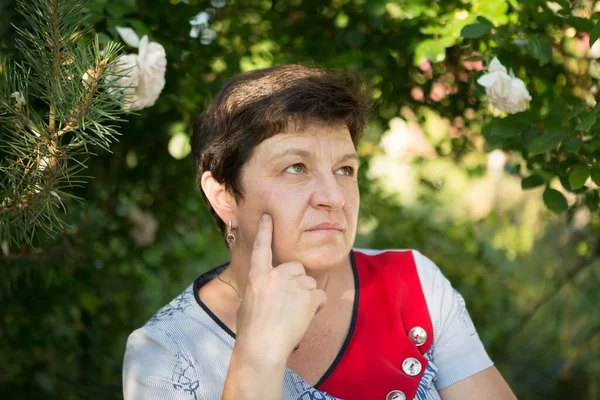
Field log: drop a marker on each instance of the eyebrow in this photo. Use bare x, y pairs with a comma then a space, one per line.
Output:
292, 152
349, 156
307, 154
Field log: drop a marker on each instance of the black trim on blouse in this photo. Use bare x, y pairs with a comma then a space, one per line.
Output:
352, 324
207, 276
201, 281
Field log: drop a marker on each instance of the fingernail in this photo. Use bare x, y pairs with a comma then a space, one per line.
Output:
265, 218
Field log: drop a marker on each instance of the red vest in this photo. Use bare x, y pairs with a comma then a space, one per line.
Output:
391, 303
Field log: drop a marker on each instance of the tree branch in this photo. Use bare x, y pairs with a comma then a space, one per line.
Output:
580, 264
55, 42
90, 81
582, 345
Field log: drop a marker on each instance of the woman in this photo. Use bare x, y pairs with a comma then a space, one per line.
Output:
297, 313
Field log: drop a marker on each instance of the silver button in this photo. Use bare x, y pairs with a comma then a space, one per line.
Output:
411, 366
395, 395
418, 336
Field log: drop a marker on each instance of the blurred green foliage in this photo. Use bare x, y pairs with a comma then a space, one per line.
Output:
429, 180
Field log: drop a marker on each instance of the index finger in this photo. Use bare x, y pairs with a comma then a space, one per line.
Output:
262, 256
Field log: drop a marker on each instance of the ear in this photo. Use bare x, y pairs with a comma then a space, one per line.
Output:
220, 199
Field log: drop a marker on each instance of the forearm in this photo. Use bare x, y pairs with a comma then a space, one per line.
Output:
249, 378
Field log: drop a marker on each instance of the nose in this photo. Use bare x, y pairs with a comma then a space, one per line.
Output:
328, 193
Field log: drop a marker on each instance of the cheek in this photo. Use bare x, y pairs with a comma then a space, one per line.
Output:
352, 205
280, 203
258, 195
352, 196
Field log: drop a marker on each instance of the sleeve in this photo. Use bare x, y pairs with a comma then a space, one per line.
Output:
157, 367
457, 350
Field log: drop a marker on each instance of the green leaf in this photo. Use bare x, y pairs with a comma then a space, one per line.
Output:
563, 3
587, 121
592, 145
507, 127
502, 35
495, 142
581, 24
555, 201
545, 143
530, 134
139, 27
540, 48
564, 181
96, 12
572, 144
577, 109
104, 39
595, 174
475, 31
595, 34
483, 20
578, 175
131, 4
89, 301
532, 181
116, 9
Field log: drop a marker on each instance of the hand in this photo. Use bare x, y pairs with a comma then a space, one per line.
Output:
279, 303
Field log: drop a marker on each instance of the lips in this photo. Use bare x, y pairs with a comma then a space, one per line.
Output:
327, 226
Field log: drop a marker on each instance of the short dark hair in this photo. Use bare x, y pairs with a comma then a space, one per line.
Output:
257, 105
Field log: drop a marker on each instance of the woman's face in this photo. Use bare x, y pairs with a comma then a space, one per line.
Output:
307, 182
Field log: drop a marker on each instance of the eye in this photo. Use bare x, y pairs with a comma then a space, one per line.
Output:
295, 169
347, 171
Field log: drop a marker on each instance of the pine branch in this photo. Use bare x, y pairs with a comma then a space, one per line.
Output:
66, 70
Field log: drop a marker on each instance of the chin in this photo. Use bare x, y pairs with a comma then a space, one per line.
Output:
324, 257
315, 252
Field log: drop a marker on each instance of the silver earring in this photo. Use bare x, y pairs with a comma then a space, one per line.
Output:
230, 235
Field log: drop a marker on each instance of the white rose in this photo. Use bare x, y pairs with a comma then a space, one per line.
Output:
201, 20
594, 51
152, 64
505, 92
129, 36
126, 73
593, 69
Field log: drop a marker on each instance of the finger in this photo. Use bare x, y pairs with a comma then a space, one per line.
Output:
307, 282
292, 268
318, 299
262, 257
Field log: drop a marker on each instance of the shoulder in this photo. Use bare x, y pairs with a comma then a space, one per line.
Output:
418, 270
168, 332
457, 349
427, 269
179, 309
437, 289
162, 329
160, 356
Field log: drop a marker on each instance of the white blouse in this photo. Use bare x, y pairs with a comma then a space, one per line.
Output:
183, 351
